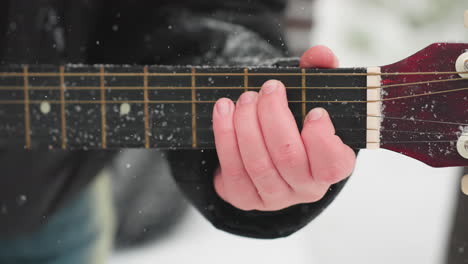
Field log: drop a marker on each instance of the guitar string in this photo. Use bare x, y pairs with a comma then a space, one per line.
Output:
386, 86
386, 142
420, 120
382, 130
397, 142
211, 143
7, 88
417, 142
336, 116
403, 131
140, 74
201, 128
210, 101
375, 116
20, 102
309, 74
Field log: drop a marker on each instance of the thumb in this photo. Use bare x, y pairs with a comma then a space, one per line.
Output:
319, 57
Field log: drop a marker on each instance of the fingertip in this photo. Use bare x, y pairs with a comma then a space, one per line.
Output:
319, 57
223, 121
247, 98
223, 99
316, 114
319, 120
271, 86
273, 82
223, 107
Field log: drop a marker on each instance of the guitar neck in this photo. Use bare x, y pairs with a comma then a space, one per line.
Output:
163, 107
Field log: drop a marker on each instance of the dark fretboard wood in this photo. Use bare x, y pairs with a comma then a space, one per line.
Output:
166, 107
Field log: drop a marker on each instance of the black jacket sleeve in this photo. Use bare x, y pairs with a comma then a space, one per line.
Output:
193, 171
241, 32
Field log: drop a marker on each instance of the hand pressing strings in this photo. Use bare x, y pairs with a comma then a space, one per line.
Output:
266, 163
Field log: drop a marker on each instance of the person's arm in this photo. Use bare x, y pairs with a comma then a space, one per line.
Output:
240, 34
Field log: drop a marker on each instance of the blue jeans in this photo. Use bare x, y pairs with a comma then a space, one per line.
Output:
79, 233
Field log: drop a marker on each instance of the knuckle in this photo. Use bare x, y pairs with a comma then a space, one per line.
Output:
224, 130
310, 130
289, 155
333, 174
260, 168
234, 174
305, 185
264, 176
240, 116
313, 194
243, 114
271, 190
244, 140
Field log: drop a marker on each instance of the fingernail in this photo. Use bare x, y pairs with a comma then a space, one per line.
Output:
315, 114
270, 86
223, 107
247, 98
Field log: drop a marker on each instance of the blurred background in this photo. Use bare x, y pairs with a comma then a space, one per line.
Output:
393, 209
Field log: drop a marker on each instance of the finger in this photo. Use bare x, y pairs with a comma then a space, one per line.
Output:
282, 136
219, 185
271, 187
238, 188
319, 57
330, 160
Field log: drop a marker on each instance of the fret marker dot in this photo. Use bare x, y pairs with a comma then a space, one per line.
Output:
124, 109
45, 108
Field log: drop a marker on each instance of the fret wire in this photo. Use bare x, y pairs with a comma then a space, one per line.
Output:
70, 74
103, 108
303, 81
246, 79
194, 111
63, 120
27, 119
145, 84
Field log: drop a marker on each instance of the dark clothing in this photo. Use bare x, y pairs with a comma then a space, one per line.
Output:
34, 184
81, 232
456, 251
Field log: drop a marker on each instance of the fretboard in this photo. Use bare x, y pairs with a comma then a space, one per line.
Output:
164, 107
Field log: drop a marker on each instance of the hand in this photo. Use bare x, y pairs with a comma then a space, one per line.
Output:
265, 162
